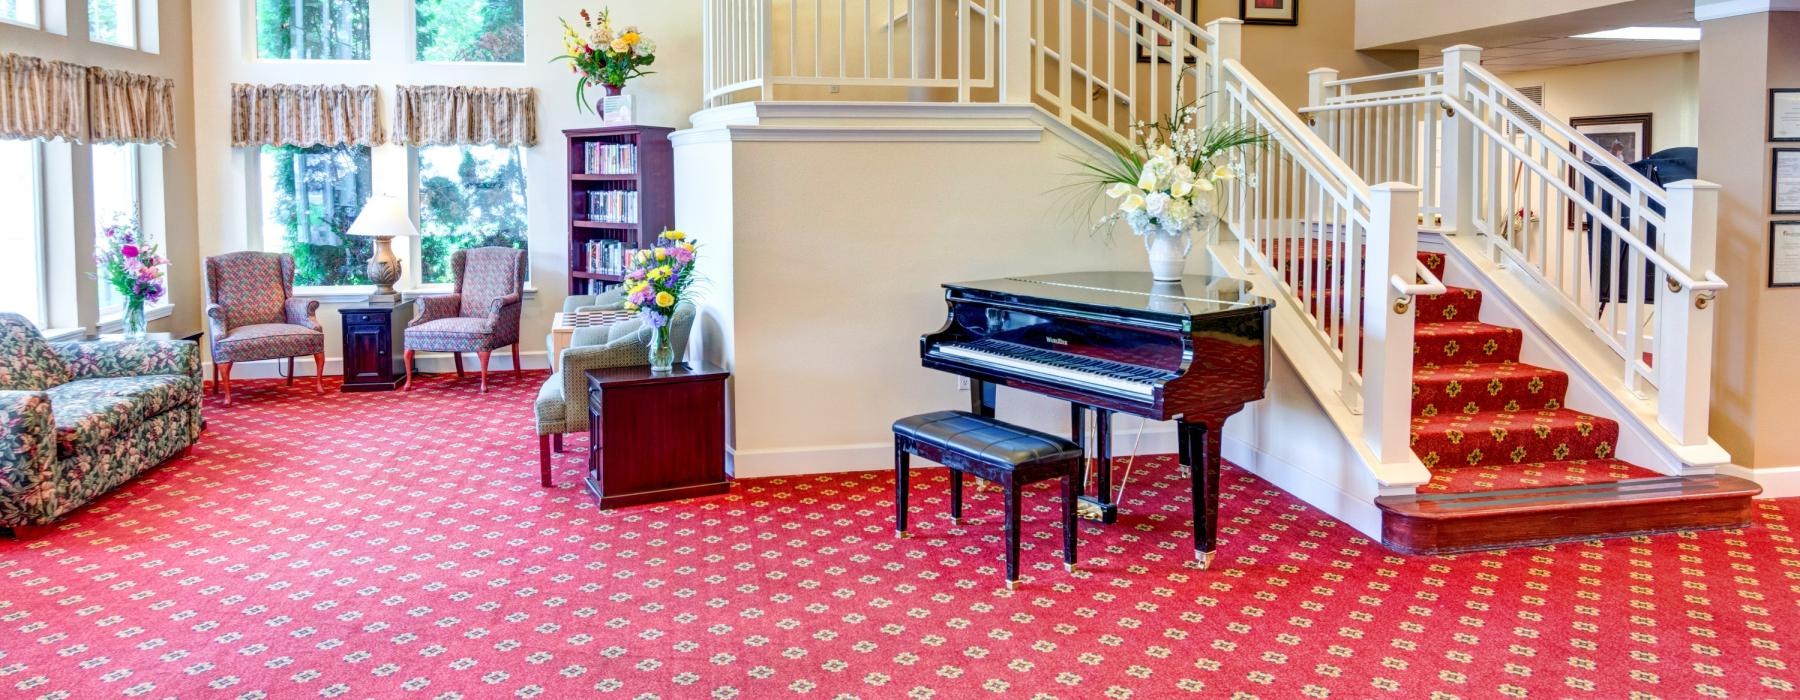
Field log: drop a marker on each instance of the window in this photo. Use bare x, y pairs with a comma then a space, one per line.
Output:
116, 203
469, 197
19, 12
113, 22
332, 30
21, 231
310, 196
491, 31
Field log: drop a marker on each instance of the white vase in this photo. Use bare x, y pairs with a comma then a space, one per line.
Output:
1168, 255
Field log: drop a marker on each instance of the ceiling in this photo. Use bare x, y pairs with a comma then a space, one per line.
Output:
1544, 42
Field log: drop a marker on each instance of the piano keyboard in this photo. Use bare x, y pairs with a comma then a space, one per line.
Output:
1131, 380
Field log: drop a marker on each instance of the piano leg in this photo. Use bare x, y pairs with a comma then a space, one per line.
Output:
981, 398
956, 484
1200, 444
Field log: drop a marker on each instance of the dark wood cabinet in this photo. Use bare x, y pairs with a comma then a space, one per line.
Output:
656, 437
373, 352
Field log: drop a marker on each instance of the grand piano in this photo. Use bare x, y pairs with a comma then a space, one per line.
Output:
1115, 342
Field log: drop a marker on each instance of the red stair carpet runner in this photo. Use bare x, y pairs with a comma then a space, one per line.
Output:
1484, 421
397, 546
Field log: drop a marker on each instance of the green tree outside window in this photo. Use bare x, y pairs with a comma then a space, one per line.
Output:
312, 195
491, 31
469, 197
335, 30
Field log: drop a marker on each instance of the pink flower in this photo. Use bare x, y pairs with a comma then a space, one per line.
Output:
129, 251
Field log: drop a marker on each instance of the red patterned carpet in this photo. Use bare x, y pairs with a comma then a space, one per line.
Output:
380, 545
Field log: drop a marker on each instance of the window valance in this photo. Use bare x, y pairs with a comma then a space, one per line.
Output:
130, 107
42, 99
304, 115
437, 115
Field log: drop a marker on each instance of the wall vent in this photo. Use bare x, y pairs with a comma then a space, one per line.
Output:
1534, 93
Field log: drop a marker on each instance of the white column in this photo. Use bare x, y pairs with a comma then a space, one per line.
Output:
1393, 247
1684, 343
1459, 178
1228, 45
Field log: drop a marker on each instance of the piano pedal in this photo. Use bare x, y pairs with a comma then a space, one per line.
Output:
1088, 508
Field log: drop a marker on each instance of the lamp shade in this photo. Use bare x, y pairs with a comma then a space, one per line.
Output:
383, 216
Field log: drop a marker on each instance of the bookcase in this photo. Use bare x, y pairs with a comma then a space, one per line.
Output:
621, 197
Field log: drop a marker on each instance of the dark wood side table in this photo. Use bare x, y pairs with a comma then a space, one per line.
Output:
656, 437
373, 353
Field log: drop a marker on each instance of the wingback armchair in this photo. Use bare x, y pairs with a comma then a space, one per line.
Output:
482, 314
251, 308
562, 402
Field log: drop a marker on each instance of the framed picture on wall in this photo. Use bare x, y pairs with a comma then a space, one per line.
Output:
1281, 12
1784, 253
1625, 136
1182, 8
1784, 190
1784, 114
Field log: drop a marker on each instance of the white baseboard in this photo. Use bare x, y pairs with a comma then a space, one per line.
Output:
1777, 482
432, 363
1359, 513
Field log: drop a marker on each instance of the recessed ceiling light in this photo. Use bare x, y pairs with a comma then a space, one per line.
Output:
1646, 34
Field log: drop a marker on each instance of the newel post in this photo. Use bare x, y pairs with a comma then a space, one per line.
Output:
1015, 51
1316, 92
1459, 178
1393, 249
1228, 45
1684, 342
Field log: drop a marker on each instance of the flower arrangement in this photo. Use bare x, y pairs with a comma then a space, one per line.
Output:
1168, 183
131, 268
656, 279
602, 55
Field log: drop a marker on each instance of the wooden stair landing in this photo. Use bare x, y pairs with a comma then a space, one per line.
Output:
1445, 523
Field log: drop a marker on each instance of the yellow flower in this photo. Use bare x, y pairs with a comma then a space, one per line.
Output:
629, 38
665, 299
664, 272
619, 46
662, 254
684, 245
674, 235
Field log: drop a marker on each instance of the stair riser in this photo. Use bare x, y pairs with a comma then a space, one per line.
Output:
1527, 529
1489, 345
1457, 305
1513, 442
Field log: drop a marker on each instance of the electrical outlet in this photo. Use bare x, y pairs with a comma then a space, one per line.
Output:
834, 89
962, 383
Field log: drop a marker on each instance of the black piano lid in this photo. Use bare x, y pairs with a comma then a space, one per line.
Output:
1133, 292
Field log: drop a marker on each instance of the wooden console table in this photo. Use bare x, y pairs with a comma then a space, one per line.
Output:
656, 437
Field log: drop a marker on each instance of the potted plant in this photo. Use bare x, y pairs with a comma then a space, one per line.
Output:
656, 280
599, 54
1168, 183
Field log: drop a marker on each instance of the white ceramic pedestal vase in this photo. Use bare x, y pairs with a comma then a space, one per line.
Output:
1168, 254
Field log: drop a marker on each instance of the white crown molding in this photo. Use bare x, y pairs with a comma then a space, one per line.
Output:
1705, 10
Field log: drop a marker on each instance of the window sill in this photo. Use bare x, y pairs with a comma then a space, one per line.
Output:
115, 323
62, 335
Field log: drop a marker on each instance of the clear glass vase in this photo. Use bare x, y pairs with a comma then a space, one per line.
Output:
135, 325
662, 350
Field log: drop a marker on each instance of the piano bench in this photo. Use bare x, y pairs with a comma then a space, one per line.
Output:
1005, 454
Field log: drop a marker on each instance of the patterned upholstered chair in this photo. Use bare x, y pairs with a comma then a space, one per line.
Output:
78, 419
562, 402
254, 316
480, 316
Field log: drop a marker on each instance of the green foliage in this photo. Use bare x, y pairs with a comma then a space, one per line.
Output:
103, 20
471, 30
479, 201
318, 193
324, 29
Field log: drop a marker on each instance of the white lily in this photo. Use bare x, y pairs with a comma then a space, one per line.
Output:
1204, 185
1181, 188
1132, 203
1223, 172
1119, 190
1147, 179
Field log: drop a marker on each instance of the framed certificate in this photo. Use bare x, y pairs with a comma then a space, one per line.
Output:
1784, 195
1784, 253
1784, 114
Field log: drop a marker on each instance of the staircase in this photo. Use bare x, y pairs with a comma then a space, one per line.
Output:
1453, 436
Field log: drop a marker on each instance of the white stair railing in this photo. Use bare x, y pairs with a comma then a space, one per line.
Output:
826, 45
1104, 65
1631, 260
1342, 253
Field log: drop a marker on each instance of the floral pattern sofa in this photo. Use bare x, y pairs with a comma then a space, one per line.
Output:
78, 419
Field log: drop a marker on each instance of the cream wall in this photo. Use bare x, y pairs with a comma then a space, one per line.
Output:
225, 53
1668, 87
1391, 22
1754, 381
168, 198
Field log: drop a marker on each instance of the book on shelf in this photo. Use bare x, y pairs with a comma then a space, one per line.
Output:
609, 158
599, 286
612, 206
605, 257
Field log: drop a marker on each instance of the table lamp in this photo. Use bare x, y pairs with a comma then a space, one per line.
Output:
383, 218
